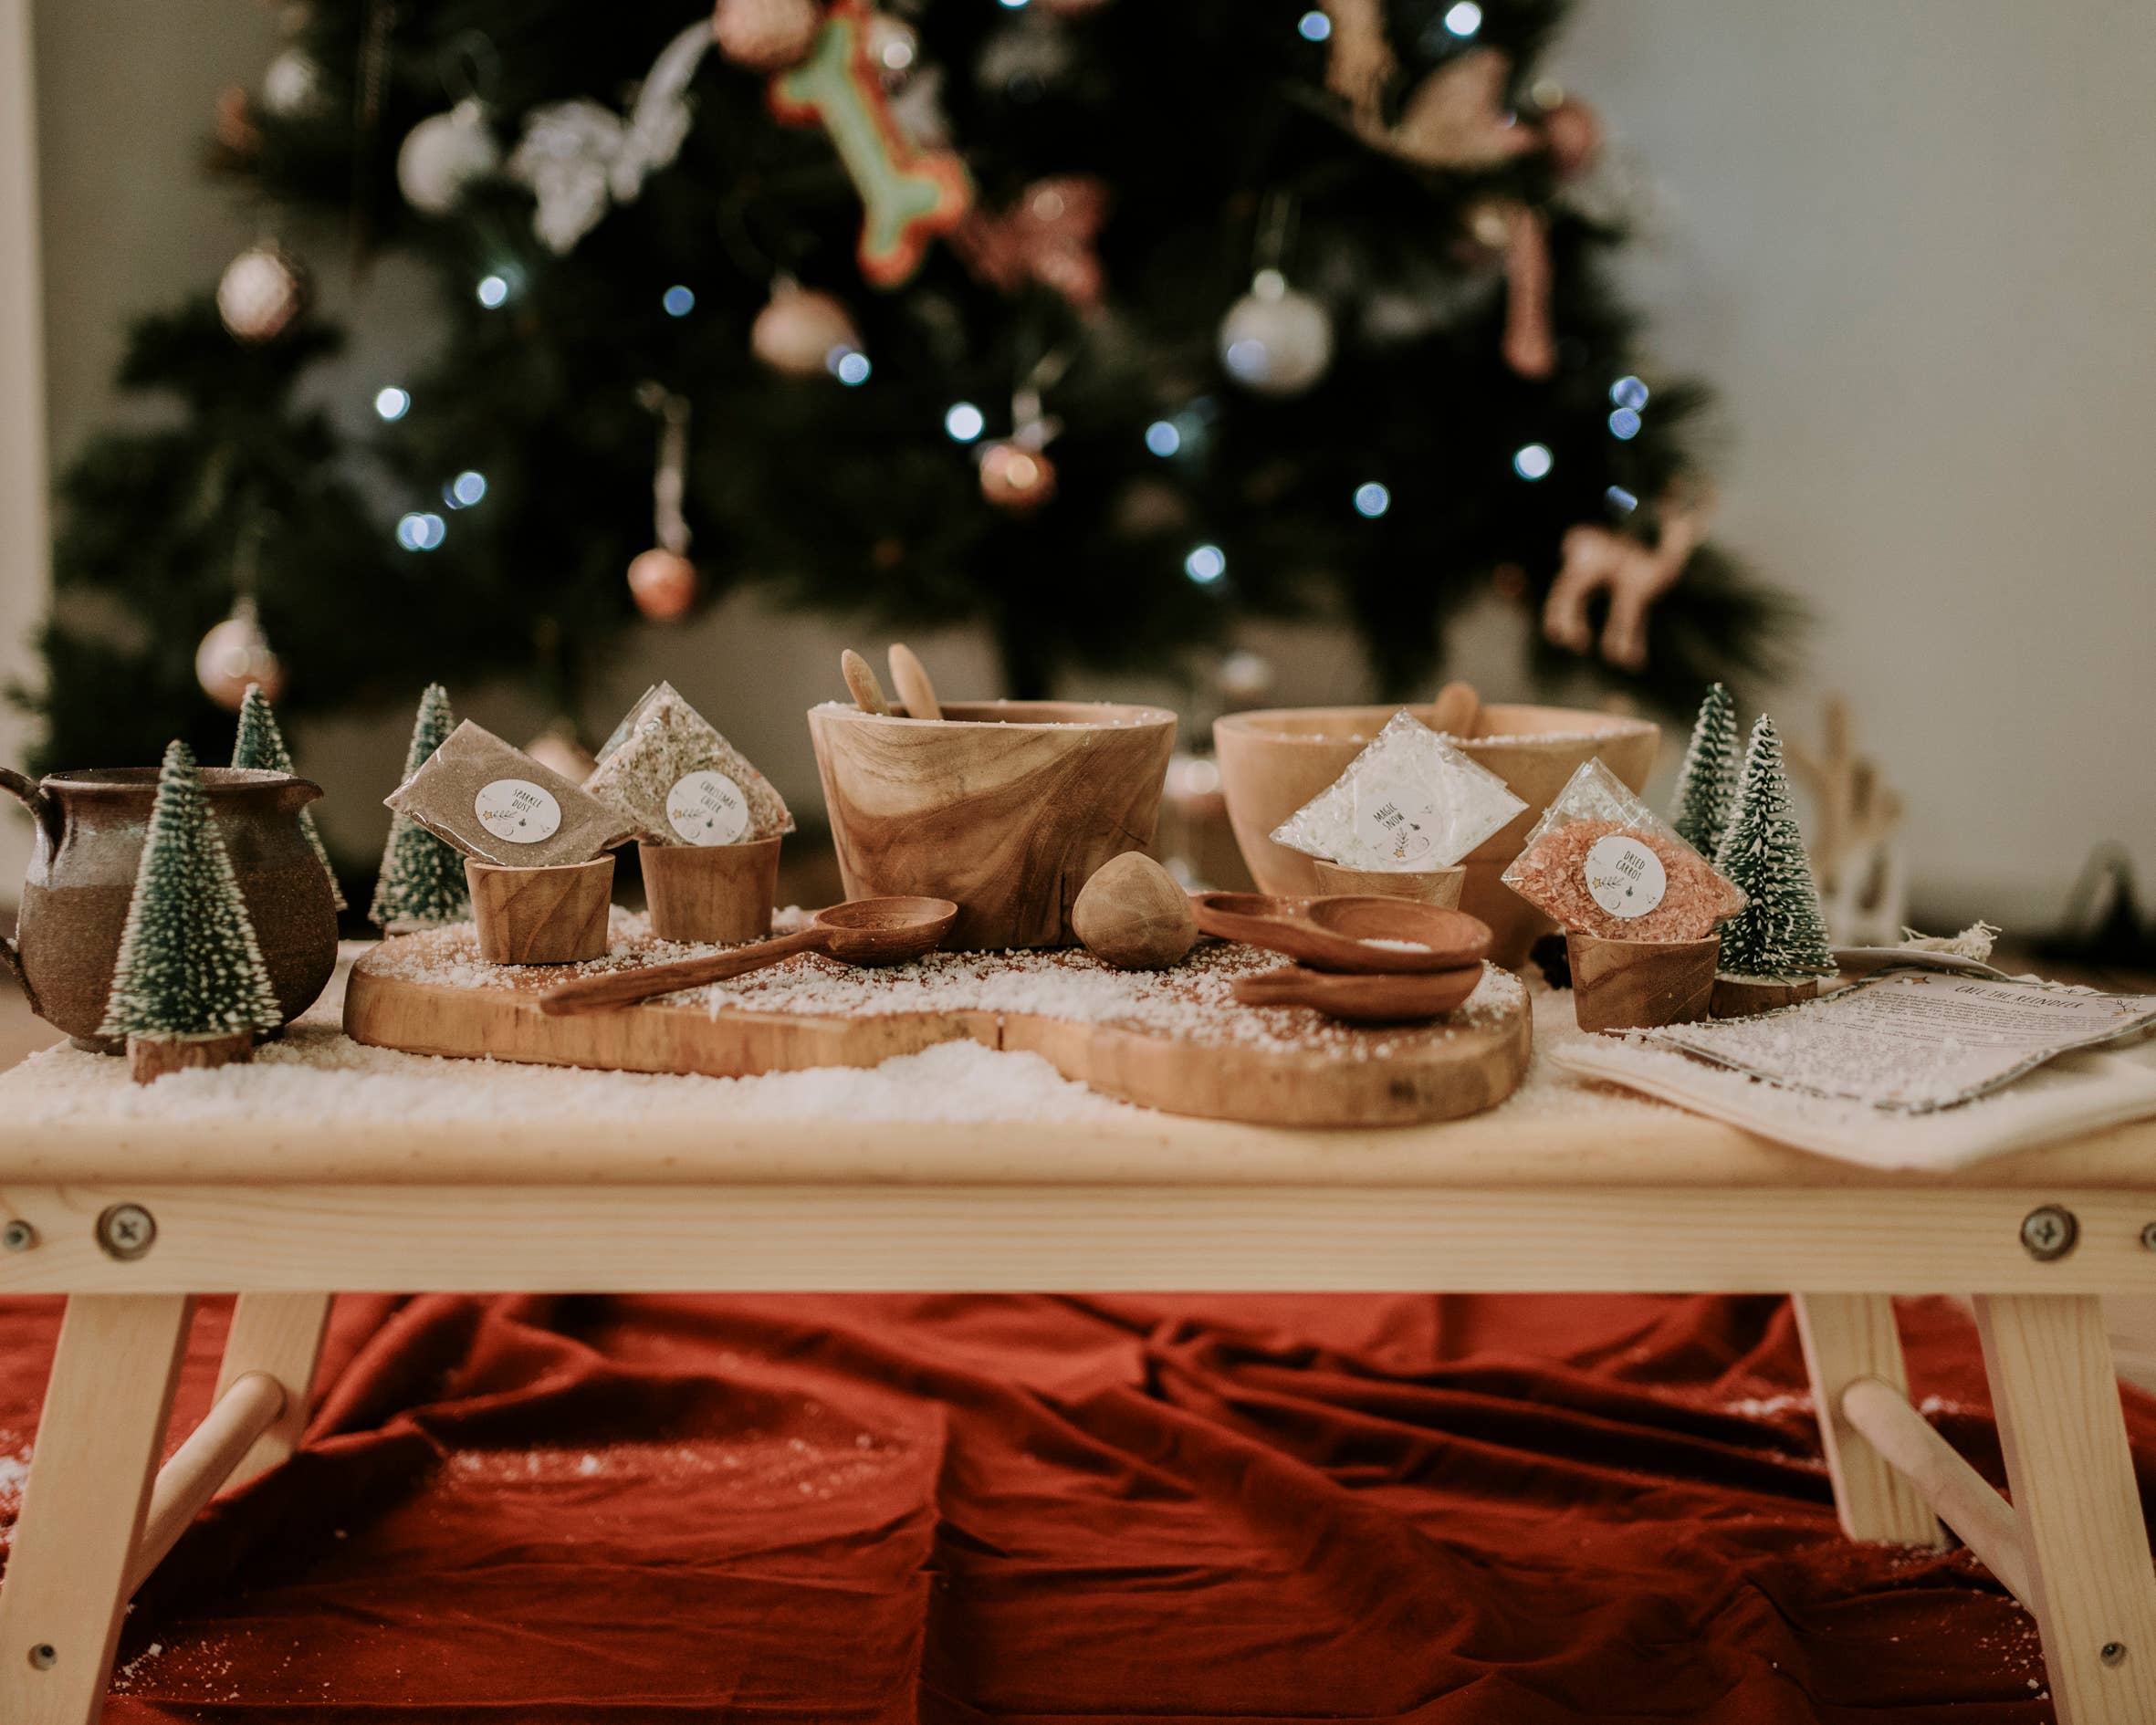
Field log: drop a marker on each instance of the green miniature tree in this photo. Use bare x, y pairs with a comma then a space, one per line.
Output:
422, 883
1707, 784
188, 963
1781, 933
261, 744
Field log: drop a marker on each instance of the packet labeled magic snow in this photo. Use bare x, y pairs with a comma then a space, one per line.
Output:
667, 768
1602, 862
495, 802
1411, 801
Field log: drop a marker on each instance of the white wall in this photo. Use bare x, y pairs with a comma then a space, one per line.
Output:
1910, 242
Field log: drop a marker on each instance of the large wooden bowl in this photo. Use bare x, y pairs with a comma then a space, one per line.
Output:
1274, 761
1007, 807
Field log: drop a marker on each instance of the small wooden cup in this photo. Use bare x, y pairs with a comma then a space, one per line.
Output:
540, 916
719, 892
1633, 985
1740, 997
1440, 887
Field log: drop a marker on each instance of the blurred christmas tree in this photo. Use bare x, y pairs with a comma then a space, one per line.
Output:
1094, 323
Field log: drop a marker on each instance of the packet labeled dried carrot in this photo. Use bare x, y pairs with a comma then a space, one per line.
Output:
1602, 862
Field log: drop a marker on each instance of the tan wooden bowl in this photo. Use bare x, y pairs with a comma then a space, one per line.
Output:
1634, 985
1007, 806
1440, 887
540, 916
1274, 760
711, 892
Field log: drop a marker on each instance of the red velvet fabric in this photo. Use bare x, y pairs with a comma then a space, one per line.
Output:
1518, 1511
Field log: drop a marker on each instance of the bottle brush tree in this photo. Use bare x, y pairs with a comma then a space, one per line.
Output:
1707, 784
189, 965
261, 744
422, 883
1782, 932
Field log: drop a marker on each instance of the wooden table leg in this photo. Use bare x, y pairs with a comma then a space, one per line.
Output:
1848, 1336
99, 1441
279, 1334
2056, 1395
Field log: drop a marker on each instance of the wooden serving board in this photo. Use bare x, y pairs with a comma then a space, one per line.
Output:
1180, 1048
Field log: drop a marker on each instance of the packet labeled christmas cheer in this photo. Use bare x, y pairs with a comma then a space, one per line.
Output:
1411, 801
496, 803
667, 770
1602, 862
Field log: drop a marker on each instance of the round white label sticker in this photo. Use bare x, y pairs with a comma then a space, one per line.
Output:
707, 807
518, 811
1624, 876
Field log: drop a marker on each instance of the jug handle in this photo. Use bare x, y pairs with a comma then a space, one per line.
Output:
41, 805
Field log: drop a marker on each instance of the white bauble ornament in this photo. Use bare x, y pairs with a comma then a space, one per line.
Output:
1275, 340
894, 47
260, 292
292, 86
795, 333
444, 154
235, 654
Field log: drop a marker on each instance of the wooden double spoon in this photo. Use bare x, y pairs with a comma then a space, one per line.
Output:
1367, 960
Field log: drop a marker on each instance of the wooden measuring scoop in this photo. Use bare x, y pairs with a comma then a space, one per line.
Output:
1361, 999
1368, 936
862, 685
868, 931
910, 676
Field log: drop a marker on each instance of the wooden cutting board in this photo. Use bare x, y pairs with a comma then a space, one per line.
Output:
1166, 1041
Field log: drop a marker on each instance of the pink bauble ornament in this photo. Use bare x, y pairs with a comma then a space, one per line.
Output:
663, 583
766, 35
235, 654
795, 333
261, 292
1016, 478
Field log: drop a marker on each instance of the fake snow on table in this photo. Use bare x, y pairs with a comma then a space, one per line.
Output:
1193, 1001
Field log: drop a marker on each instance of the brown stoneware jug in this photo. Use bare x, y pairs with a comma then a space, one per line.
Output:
90, 829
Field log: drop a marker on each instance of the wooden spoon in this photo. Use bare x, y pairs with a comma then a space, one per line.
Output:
1457, 710
868, 931
861, 683
911, 678
1361, 999
1343, 934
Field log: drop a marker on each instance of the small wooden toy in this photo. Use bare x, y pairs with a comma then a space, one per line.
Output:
1134, 914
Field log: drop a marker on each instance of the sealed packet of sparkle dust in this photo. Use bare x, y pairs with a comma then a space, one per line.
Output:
668, 769
496, 803
1602, 862
1411, 801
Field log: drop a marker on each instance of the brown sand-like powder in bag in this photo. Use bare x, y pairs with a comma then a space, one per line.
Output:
667, 770
497, 804
1602, 862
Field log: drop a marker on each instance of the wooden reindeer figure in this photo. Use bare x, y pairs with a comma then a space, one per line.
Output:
1857, 856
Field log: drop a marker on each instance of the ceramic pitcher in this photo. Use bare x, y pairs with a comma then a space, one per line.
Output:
91, 829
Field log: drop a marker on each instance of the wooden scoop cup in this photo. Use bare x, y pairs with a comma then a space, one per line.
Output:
868, 931
1340, 933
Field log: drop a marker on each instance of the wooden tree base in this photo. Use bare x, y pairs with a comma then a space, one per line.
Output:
721, 893
540, 916
1440, 887
1633, 985
1740, 997
150, 1058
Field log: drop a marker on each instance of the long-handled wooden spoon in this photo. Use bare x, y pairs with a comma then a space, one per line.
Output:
869, 931
862, 685
911, 678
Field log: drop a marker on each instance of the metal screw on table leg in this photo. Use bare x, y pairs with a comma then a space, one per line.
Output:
18, 1236
126, 1232
2048, 1232
2112, 1653
44, 1656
